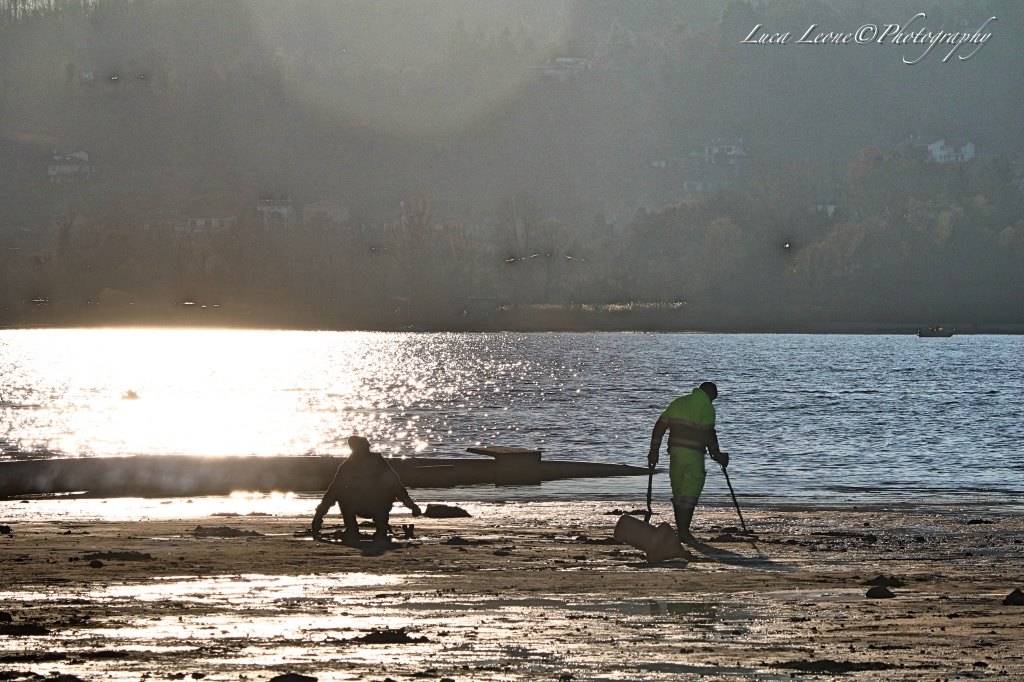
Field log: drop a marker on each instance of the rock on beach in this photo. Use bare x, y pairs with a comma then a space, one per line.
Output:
880, 592
223, 532
1015, 598
445, 511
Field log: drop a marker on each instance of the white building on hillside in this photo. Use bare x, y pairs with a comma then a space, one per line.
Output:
205, 223
724, 152
73, 167
325, 210
275, 210
951, 151
562, 69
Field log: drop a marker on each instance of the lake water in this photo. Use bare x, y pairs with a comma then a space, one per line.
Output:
823, 417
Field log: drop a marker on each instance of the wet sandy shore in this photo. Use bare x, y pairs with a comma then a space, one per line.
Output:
524, 591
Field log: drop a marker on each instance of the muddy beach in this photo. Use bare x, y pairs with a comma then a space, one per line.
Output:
518, 591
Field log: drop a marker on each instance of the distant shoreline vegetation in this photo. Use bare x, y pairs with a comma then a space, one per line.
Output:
451, 164
672, 317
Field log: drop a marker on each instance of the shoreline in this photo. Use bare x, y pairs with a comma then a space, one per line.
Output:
809, 501
517, 591
839, 329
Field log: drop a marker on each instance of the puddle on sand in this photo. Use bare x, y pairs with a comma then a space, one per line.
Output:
253, 624
694, 613
218, 589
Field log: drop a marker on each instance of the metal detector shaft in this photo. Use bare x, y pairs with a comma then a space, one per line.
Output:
734, 502
650, 483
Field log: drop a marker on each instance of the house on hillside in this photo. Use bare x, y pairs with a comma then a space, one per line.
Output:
951, 151
714, 166
208, 223
563, 69
274, 210
325, 210
725, 153
70, 168
825, 205
692, 188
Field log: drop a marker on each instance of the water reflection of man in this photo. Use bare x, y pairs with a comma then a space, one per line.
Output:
365, 485
690, 422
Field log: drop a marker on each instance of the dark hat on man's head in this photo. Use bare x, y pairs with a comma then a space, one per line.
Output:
710, 388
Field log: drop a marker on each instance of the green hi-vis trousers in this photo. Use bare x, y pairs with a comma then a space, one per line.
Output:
687, 473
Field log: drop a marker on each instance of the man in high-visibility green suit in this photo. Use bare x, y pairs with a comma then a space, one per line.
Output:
690, 422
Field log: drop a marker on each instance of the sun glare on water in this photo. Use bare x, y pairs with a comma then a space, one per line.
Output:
202, 392
114, 392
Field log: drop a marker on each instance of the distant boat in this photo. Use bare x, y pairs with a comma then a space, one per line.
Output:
935, 332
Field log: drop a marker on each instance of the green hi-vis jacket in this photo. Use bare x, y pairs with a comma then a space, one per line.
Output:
691, 422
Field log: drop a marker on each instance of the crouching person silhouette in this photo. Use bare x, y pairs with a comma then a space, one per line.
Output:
364, 485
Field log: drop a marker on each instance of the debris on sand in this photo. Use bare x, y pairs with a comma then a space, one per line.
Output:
978, 522
445, 511
585, 540
293, 677
223, 532
5, 530
129, 395
631, 512
1015, 598
880, 592
118, 556
22, 630
387, 636
96, 563
5, 617
51, 656
459, 541
826, 665
43, 657
103, 654
227, 515
885, 581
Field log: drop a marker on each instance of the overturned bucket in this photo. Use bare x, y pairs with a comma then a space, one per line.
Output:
659, 543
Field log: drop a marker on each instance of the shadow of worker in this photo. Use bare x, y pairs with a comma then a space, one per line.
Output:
760, 561
365, 546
